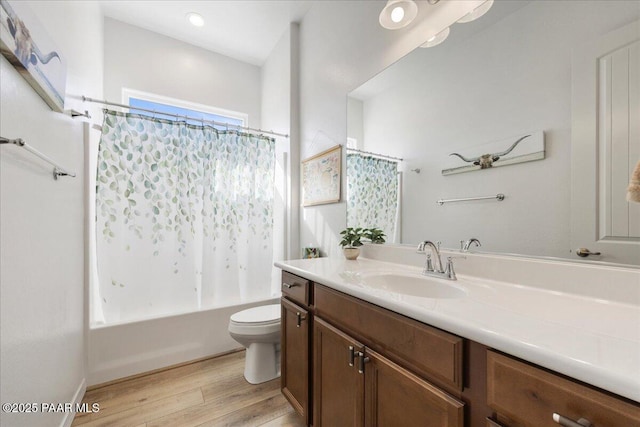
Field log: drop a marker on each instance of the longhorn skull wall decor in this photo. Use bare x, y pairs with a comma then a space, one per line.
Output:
520, 149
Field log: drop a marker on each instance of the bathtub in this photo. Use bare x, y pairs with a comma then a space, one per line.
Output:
120, 350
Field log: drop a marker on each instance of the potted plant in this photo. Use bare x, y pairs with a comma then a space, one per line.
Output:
351, 242
375, 235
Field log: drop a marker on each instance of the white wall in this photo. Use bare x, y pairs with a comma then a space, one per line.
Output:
138, 59
355, 124
41, 223
341, 46
508, 80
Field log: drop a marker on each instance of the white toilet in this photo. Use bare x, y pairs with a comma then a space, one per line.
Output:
258, 329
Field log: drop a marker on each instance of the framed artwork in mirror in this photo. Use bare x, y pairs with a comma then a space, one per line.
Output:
321, 177
507, 151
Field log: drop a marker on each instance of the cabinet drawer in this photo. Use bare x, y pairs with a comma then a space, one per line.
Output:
429, 352
529, 396
296, 288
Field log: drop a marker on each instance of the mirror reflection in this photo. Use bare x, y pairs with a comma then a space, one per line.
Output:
483, 89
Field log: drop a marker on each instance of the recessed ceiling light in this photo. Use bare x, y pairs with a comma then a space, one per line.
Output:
398, 13
196, 19
437, 39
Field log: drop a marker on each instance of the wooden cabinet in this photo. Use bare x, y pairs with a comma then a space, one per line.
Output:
526, 396
338, 387
296, 289
295, 344
355, 386
396, 397
347, 362
432, 353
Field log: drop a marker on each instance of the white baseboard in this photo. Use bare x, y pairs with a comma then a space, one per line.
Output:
77, 399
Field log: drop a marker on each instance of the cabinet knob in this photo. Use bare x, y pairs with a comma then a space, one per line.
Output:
352, 355
584, 252
568, 422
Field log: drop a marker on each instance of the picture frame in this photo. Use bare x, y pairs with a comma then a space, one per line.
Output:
29, 48
321, 177
310, 253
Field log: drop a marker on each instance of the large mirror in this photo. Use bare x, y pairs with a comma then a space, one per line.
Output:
506, 76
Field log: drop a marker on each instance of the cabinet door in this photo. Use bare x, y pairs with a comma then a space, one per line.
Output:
294, 362
396, 397
338, 388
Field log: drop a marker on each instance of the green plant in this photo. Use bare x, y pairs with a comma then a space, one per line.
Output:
351, 237
374, 234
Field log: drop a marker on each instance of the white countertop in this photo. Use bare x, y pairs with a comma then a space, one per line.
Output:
593, 340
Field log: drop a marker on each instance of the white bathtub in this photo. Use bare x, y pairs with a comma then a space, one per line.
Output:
123, 349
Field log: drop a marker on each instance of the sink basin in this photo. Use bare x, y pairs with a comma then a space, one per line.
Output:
415, 285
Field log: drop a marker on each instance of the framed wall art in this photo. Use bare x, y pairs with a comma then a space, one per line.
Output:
321, 177
28, 47
508, 151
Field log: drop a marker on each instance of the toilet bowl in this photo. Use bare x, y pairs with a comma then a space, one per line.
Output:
258, 329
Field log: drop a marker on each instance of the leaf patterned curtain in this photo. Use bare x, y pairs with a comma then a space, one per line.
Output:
184, 216
372, 193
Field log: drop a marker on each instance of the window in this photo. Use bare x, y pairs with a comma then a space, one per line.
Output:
196, 112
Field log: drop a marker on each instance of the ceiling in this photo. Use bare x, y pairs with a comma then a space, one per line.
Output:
246, 30
413, 64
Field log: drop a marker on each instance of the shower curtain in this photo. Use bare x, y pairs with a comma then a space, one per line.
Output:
372, 193
184, 216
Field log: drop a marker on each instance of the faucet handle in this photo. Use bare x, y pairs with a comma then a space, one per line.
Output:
449, 271
461, 245
428, 265
438, 243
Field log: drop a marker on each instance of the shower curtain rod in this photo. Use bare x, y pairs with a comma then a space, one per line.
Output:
115, 104
375, 154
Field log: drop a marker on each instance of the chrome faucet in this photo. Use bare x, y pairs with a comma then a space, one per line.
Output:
434, 255
466, 245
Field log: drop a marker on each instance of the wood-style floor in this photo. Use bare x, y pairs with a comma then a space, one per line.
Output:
212, 392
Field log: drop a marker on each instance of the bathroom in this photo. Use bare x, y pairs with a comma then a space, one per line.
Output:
303, 84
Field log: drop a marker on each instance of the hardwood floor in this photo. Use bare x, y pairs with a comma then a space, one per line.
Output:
212, 392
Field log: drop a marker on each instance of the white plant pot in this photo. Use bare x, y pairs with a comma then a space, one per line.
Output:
351, 253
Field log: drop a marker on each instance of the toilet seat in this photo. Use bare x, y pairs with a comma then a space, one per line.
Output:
256, 321
263, 315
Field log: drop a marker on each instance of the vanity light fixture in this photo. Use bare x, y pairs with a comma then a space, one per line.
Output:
437, 39
398, 14
477, 12
195, 19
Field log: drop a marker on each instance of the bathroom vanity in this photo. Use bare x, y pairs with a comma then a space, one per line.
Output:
375, 343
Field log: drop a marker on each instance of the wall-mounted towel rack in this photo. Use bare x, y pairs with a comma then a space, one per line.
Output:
57, 170
499, 197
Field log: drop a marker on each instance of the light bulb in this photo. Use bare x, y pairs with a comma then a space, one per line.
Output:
397, 14
196, 19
